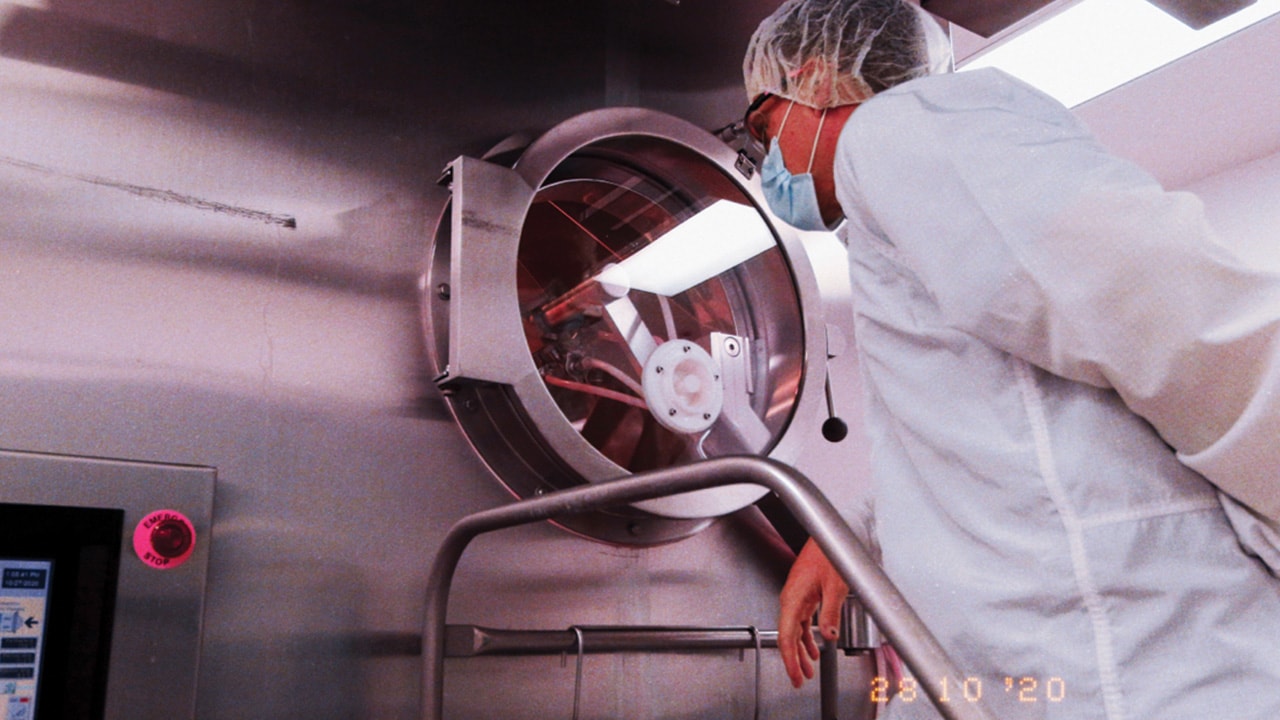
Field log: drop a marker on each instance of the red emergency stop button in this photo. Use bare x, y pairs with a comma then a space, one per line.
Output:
164, 539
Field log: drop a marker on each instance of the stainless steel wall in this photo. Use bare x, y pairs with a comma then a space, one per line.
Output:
212, 220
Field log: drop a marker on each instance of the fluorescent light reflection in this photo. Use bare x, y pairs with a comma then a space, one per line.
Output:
714, 240
1098, 45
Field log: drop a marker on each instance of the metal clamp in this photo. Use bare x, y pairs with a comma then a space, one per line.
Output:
857, 630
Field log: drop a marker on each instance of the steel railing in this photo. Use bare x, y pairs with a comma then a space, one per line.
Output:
918, 648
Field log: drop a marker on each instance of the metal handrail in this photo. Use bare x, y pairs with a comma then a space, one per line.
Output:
468, 641
894, 617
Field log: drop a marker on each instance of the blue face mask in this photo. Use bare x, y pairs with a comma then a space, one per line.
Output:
792, 198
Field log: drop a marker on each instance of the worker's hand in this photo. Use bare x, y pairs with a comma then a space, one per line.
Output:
812, 584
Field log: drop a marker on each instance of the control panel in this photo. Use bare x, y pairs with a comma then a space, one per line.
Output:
102, 578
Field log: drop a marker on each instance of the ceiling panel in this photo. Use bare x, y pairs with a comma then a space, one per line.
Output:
1201, 115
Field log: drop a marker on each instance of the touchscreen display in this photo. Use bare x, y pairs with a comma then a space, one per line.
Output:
24, 597
58, 571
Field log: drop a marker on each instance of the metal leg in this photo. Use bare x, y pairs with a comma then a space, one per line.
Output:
755, 635
893, 615
829, 680
577, 675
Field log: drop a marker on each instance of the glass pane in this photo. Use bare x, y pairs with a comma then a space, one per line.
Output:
663, 319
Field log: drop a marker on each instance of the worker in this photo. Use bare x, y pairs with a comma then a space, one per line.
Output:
1071, 388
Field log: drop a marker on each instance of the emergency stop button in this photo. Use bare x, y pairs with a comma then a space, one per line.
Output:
164, 539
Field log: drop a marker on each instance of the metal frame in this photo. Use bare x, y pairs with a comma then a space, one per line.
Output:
894, 617
156, 637
468, 641
492, 385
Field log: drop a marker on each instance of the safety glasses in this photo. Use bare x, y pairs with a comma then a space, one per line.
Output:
754, 144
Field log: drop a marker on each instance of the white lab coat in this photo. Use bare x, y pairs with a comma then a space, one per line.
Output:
1056, 354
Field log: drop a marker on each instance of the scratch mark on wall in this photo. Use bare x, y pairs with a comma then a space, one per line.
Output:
168, 196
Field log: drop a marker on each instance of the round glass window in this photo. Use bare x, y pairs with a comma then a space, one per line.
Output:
662, 316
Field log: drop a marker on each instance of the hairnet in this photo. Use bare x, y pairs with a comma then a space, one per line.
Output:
825, 53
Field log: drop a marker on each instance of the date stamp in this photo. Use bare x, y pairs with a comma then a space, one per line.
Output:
1026, 688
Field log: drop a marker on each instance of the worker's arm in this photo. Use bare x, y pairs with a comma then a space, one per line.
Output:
1033, 237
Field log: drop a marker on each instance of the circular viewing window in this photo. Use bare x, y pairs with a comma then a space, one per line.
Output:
608, 301
661, 315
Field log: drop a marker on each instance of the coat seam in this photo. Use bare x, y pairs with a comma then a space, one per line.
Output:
1109, 675
1182, 507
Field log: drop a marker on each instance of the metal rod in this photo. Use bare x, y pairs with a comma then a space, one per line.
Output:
893, 615
461, 641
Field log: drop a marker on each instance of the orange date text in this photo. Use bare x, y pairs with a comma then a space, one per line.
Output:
1026, 689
